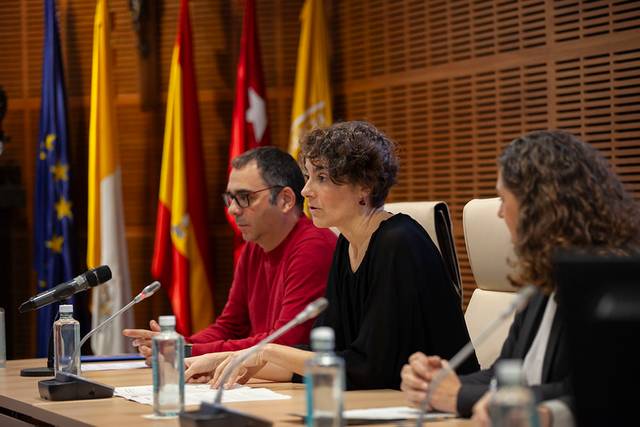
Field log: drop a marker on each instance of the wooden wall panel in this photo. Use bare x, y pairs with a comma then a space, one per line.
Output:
452, 81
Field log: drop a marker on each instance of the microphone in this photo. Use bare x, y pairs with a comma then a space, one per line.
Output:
144, 294
67, 386
214, 414
86, 280
518, 304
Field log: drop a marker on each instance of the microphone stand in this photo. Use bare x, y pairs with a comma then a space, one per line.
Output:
214, 414
68, 386
522, 298
43, 371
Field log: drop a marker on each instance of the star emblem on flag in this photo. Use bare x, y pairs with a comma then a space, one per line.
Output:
257, 114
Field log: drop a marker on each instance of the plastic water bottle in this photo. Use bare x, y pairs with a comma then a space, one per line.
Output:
513, 404
66, 339
324, 380
168, 369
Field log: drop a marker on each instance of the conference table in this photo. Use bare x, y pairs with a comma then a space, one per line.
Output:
21, 405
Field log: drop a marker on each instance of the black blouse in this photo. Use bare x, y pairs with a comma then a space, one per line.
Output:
399, 301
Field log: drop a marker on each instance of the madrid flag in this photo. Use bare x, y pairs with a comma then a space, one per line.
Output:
250, 127
106, 243
181, 251
312, 94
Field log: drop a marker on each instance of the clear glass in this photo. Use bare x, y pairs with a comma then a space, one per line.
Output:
3, 341
168, 372
66, 338
324, 379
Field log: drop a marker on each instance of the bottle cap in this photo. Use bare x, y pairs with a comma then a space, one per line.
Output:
66, 308
322, 338
167, 320
509, 372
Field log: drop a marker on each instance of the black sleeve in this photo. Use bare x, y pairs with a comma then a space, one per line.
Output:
411, 306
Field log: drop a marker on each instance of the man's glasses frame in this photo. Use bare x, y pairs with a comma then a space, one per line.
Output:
243, 198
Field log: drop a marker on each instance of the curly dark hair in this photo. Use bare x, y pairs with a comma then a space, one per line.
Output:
353, 153
569, 198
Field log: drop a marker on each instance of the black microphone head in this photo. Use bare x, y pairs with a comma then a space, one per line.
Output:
98, 275
27, 306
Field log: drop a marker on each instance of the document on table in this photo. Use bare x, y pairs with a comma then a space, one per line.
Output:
390, 414
394, 413
111, 366
197, 393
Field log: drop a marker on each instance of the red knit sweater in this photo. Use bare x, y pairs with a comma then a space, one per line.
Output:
269, 289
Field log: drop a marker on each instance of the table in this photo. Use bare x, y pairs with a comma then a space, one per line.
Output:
19, 399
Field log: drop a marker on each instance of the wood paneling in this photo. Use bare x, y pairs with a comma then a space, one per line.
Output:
451, 81
454, 81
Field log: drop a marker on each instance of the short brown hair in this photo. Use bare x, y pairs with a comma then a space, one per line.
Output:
569, 198
355, 153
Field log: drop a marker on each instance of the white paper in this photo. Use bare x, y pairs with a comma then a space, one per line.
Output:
195, 394
392, 413
87, 367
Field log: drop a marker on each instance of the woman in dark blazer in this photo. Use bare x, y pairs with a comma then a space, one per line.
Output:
556, 192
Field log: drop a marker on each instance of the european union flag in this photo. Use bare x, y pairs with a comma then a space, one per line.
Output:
52, 217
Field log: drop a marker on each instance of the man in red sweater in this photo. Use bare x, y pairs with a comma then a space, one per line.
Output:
283, 266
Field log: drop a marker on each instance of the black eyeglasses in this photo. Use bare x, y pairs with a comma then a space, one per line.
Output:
243, 198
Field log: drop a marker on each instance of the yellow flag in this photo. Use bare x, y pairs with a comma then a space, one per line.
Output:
312, 96
106, 243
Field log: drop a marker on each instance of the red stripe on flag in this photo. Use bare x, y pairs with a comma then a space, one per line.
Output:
162, 244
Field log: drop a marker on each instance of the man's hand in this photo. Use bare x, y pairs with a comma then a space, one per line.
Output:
142, 339
200, 369
417, 377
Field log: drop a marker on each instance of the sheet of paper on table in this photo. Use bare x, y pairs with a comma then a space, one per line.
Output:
194, 394
392, 413
110, 366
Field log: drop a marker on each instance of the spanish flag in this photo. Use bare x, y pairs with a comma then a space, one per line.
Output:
106, 231
312, 94
181, 251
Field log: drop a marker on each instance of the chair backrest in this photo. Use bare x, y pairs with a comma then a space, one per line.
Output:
489, 247
434, 217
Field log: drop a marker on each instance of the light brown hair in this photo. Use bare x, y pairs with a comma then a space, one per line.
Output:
569, 198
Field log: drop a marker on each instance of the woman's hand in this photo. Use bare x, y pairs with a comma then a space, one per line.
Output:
239, 374
200, 369
417, 377
480, 416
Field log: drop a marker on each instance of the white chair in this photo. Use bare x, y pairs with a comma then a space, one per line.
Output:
434, 217
488, 246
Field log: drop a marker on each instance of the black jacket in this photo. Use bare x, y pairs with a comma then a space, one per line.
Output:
555, 368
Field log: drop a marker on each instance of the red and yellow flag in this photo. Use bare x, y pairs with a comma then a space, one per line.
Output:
181, 252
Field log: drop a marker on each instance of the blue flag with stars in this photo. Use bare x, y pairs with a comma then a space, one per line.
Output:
53, 218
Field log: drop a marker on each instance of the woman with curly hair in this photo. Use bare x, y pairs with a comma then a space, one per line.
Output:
556, 192
388, 290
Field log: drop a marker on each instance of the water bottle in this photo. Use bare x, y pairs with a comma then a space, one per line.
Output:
66, 339
513, 404
168, 369
324, 380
